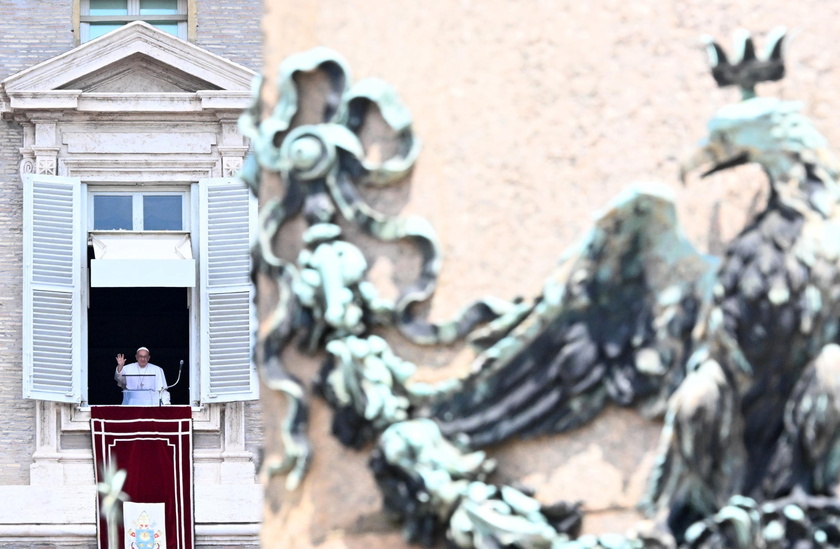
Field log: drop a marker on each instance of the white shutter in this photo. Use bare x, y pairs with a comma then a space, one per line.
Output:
228, 218
52, 244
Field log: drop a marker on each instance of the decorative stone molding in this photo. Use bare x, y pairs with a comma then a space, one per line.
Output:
113, 142
45, 165
121, 169
27, 165
231, 166
46, 468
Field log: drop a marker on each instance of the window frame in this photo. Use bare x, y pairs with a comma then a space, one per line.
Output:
185, 18
223, 212
137, 195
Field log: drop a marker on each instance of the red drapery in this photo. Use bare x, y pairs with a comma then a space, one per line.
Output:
154, 445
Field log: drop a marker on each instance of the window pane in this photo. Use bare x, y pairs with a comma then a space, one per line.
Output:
111, 213
158, 7
108, 7
98, 29
162, 213
171, 28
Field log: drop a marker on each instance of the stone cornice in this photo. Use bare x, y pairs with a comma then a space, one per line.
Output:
37, 100
225, 100
35, 103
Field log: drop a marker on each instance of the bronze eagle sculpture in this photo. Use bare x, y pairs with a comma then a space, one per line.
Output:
738, 353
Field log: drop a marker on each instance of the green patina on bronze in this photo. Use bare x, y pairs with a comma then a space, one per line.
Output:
738, 353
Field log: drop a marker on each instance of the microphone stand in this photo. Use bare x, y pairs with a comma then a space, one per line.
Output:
180, 367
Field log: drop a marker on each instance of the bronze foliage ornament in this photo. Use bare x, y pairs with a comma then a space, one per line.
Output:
738, 353
323, 295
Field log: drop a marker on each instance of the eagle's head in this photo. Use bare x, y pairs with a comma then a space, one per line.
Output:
775, 134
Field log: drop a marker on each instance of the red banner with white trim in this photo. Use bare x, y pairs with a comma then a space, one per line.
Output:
153, 444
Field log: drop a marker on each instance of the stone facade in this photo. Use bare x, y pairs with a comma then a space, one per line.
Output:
33, 32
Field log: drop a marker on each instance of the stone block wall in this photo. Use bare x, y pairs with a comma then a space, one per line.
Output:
30, 32
231, 29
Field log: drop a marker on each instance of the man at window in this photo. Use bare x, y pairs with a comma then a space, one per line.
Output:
145, 381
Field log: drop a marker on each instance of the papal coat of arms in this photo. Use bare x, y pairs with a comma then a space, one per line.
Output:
143, 532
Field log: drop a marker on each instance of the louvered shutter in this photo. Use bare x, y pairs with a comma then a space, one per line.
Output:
228, 219
52, 244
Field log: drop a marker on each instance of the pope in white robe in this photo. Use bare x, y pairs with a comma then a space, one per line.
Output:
136, 393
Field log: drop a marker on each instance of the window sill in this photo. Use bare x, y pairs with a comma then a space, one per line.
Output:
76, 418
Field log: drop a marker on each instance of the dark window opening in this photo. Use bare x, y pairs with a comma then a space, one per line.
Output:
122, 319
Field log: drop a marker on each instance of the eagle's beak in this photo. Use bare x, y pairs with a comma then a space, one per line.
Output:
707, 153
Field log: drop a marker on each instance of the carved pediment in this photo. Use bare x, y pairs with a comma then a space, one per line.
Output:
159, 71
139, 74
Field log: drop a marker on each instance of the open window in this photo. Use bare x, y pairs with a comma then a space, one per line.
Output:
107, 270
142, 273
122, 319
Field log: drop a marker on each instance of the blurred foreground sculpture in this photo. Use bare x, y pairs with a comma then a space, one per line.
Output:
111, 499
738, 353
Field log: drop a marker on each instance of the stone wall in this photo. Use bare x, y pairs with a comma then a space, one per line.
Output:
30, 32
533, 116
231, 29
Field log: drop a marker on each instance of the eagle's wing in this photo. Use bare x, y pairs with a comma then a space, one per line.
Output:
613, 323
